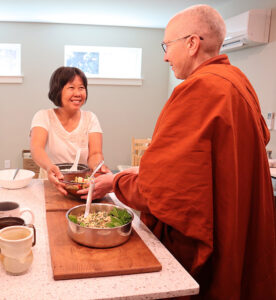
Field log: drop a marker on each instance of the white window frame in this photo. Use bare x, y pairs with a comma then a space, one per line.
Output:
17, 76
134, 55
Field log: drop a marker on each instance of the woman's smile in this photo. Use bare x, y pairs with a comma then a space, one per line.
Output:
74, 93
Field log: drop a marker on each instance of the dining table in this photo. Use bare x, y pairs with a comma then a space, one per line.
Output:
38, 282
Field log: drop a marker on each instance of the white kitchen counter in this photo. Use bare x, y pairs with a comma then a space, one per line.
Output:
38, 282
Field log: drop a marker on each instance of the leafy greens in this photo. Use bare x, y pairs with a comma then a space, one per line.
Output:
118, 217
73, 219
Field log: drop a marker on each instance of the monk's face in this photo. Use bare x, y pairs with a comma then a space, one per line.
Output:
177, 52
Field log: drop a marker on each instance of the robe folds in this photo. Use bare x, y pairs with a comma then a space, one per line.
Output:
204, 185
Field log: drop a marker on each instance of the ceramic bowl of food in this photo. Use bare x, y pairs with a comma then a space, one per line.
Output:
77, 181
107, 225
22, 179
74, 180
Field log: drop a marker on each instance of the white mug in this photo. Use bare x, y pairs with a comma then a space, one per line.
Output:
16, 244
12, 209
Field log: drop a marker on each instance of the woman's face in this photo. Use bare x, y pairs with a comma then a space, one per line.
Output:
73, 94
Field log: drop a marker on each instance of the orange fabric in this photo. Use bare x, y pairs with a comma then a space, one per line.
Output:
204, 184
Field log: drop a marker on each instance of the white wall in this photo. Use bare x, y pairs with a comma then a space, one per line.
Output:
123, 111
259, 64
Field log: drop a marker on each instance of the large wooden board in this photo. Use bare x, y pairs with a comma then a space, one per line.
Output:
55, 201
71, 260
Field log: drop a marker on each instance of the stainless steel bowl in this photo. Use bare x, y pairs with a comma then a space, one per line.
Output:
98, 237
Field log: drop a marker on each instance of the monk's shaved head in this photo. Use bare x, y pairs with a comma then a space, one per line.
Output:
193, 36
204, 21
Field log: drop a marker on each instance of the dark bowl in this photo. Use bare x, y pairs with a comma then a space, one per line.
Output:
83, 171
72, 187
11, 221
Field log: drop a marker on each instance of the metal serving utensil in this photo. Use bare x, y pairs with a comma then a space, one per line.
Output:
89, 198
96, 169
91, 188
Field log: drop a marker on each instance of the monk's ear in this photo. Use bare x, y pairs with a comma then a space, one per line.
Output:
193, 44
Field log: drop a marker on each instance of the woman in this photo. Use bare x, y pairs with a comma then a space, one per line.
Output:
57, 134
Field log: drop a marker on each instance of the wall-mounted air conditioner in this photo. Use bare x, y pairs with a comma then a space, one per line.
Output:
247, 29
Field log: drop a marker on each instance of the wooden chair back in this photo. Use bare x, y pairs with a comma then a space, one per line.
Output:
138, 147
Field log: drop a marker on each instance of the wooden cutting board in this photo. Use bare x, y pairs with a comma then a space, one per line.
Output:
55, 201
71, 260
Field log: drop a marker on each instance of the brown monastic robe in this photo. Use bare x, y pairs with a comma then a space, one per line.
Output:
204, 184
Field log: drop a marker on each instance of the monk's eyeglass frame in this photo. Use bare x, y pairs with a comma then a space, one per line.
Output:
165, 45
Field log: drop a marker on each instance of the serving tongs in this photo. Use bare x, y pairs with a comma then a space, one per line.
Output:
91, 180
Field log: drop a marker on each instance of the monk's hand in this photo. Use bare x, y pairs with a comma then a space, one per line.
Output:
55, 177
103, 185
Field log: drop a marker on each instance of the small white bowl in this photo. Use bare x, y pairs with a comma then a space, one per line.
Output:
22, 178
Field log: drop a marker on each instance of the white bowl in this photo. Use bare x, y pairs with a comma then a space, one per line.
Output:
22, 178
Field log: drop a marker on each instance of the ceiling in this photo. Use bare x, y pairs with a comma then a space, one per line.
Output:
137, 13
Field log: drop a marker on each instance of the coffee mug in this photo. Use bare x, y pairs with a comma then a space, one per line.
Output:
16, 244
12, 209
13, 221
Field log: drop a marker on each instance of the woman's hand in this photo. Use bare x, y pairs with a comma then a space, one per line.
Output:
54, 176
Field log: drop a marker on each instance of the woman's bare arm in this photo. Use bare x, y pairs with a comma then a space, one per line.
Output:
39, 137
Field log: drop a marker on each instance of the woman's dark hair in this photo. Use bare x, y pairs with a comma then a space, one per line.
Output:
59, 78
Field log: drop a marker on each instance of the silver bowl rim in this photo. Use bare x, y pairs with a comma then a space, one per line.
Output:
105, 204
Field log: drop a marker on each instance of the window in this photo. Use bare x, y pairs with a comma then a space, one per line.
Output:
10, 63
106, 65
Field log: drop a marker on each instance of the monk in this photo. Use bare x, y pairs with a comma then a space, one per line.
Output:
204, 185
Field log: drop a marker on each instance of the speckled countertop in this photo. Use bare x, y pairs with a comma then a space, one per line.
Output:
38, 282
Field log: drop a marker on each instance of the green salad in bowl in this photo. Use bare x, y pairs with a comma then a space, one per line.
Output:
107, 225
